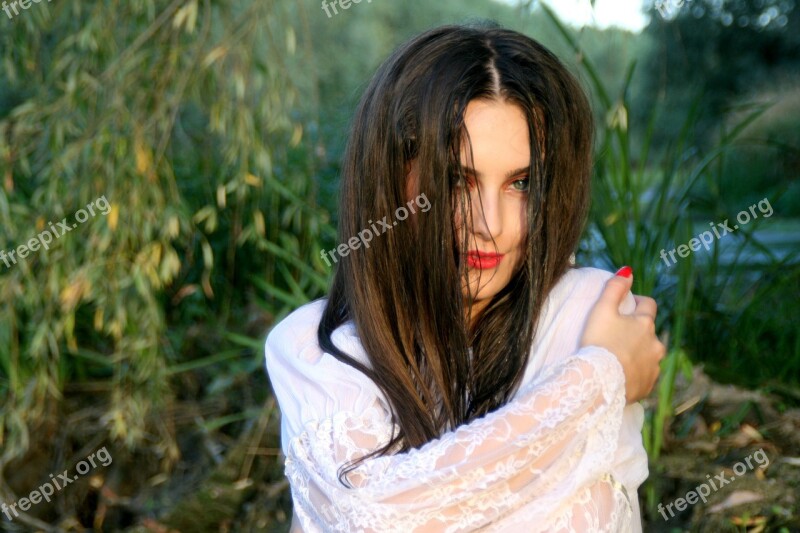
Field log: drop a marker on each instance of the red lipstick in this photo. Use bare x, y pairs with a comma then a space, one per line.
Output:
483, 260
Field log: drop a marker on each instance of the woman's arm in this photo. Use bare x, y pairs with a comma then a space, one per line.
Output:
543, 455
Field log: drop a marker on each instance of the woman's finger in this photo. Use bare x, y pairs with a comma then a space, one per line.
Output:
645, 306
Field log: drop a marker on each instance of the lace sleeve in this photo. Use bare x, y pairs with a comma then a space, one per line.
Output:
542, 460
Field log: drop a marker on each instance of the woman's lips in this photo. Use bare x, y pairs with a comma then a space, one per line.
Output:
483, 260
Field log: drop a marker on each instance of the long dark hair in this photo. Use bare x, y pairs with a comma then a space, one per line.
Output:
404, 292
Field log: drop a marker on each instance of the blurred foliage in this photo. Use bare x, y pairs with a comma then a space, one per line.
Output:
172, 111
719, 49
767, 159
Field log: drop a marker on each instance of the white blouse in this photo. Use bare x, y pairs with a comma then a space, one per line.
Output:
565, 454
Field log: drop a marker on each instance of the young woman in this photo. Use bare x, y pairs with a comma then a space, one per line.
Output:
462, 375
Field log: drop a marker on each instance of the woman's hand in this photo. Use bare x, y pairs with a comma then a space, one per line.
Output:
632, 338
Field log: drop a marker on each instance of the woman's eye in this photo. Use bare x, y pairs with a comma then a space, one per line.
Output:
521, 184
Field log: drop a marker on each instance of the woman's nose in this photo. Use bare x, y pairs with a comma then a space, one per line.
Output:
487, 216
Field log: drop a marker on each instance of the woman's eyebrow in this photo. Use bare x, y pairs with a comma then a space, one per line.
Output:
471, 171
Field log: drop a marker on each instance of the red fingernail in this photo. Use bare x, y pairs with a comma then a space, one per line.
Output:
625, 272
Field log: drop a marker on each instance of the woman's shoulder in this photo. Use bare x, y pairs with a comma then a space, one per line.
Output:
309, 383
295, 338
577, 291
296, 334
588, 283
582, 283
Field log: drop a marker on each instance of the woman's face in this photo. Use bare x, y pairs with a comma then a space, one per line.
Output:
497, 177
